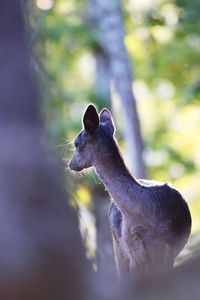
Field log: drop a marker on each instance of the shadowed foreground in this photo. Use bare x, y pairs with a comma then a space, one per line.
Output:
38, 233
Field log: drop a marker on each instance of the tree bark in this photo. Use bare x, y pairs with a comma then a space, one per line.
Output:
111, 37
102, 87
41, 255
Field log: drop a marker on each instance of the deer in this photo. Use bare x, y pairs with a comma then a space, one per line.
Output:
150, 221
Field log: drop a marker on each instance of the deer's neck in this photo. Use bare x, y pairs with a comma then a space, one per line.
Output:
117, 179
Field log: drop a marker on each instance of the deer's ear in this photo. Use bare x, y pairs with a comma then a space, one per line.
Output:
106, 118
90, 119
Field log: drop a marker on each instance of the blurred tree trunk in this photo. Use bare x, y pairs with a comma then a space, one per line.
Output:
104, 248
111, 37
41, 255
102, 87
105, 253
102, 72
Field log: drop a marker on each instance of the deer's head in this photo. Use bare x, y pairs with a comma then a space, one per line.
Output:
94, 140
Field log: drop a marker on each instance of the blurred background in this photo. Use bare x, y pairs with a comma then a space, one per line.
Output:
122, 55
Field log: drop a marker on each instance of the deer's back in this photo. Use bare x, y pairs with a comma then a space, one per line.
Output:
161, 211
163, 204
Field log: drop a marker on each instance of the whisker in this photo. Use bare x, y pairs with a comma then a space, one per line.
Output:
65, 143
66, 146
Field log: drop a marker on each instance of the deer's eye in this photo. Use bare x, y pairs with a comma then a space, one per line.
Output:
77, 143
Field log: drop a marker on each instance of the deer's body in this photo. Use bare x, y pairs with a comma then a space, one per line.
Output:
150, 221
